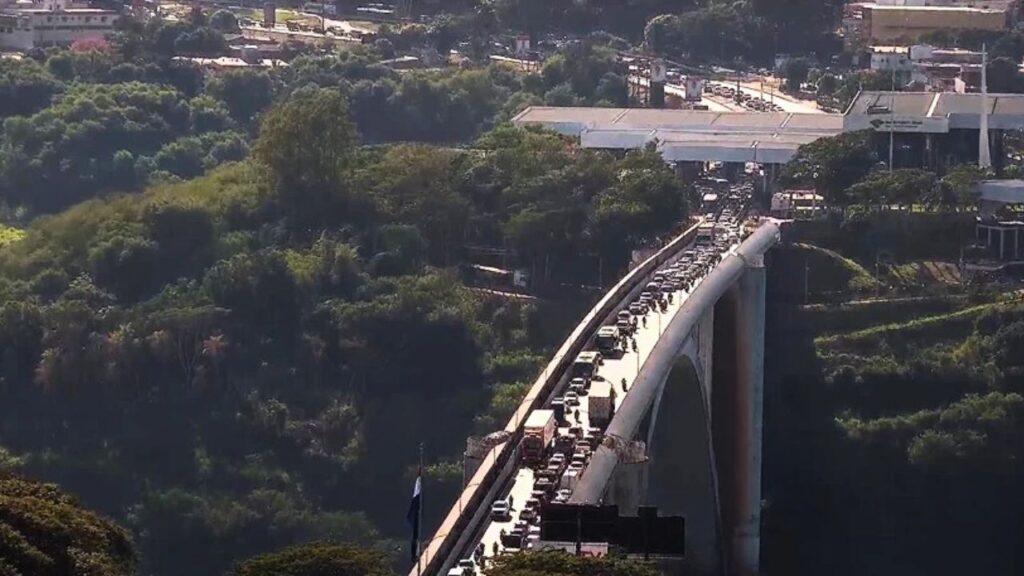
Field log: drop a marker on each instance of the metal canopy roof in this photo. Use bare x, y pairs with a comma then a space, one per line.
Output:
701, 135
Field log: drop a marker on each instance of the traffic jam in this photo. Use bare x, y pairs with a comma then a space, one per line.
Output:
558, 440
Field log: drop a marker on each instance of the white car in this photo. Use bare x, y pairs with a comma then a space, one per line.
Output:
500, 511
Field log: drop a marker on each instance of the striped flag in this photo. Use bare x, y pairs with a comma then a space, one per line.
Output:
413, 516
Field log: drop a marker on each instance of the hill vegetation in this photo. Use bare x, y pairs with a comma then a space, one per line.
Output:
44, 532
895, 424
249, 359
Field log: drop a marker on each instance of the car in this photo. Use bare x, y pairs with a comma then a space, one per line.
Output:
557, 458
577, 466
572, 399
545, 486
468, 567
624, 315
512, 539
624, 326
501, 511
528, 514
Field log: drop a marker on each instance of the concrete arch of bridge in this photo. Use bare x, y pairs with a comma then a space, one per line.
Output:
680, 476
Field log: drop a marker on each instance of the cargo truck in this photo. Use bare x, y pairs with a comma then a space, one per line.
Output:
537, 435
600, 403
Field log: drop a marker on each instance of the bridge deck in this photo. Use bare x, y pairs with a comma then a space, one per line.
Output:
501, 474
614, 370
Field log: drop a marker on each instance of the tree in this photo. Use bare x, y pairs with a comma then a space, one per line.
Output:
224, 20
245, 92
552, 563
306, 145
795, 71
900, 188
44, 532
316, 560
25, 87
832, 164
660, 33
1004, 76
957, 189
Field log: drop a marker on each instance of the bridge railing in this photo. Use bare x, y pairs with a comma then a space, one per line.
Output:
465, 511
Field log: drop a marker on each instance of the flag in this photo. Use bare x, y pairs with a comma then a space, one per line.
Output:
413, 517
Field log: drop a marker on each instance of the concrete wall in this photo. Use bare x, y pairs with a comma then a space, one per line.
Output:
911, 22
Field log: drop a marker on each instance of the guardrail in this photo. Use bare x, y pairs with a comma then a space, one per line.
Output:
465, 512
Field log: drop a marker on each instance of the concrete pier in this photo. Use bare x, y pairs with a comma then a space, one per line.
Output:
745, 540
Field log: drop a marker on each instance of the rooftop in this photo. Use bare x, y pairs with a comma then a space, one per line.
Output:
888, 8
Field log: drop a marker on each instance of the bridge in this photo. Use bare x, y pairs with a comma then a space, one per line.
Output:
686, 431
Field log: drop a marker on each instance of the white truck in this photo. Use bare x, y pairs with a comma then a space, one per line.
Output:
538, 432
600, 403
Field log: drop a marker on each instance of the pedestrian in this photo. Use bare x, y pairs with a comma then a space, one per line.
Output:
635, 349
495, 547
510, 502
645, 321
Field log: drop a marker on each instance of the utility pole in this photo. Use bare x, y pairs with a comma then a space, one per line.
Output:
892, 117
807, 277
419, 521
984, 155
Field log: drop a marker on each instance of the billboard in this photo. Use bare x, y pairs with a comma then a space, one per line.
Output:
658, 70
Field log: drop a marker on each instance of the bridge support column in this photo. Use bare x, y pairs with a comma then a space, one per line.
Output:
745, 540
629, 483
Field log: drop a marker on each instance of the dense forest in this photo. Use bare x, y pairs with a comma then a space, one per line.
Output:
94, 120
249, 358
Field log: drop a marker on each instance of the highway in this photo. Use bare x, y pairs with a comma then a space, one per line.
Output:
619, 369
787, 103
713, 105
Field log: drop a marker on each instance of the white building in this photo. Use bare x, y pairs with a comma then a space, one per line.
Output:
798, 204
27, 25
889, 58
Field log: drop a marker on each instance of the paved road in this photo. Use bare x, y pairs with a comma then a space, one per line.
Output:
787, 103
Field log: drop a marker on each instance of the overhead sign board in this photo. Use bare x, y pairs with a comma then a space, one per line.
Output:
896, 123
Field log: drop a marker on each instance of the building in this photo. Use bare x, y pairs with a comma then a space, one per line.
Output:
929, 68
231, 63
891, 59
999, 223
929, 129
907, 23
797, 204
29, 25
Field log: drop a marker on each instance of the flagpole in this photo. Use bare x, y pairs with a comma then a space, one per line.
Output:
419, 520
